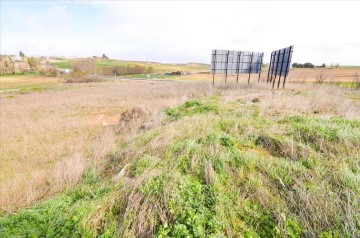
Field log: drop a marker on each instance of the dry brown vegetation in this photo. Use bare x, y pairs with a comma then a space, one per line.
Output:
328, 75
49, 138
296, 75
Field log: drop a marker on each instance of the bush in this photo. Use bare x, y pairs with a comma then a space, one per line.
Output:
33, 63
126, 70
355, 84
80, 77
309, 65
86, 66
49, 72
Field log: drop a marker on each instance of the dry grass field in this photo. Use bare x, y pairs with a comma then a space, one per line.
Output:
327, 75
51, 138
24, 83
296, 75
48, 138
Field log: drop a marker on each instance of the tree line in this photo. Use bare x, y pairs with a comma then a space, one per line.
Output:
310, 65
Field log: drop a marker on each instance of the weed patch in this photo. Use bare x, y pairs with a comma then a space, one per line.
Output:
63, 216
190, 108
194, 212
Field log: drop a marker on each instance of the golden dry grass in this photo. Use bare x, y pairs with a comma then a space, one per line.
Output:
295, 75
18, 82
328, 75
49, 138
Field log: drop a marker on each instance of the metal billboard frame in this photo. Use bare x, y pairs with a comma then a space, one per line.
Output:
243, 64
279, 65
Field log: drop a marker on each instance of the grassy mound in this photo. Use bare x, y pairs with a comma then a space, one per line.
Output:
215, 169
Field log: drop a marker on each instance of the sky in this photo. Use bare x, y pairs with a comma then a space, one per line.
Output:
182, 31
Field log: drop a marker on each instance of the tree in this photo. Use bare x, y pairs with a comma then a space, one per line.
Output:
297, 65
21, 67
33, 63
21, 54
104, 56
309, 65
149, 69
323, 65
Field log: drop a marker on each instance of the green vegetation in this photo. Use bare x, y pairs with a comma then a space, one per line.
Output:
20, 74
215, 169
190, 108
25, 88
305, 65
62, 64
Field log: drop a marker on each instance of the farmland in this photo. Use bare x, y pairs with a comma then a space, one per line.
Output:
326, 75
125, 157
157, 67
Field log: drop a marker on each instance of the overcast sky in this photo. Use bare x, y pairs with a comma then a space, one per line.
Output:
180, 32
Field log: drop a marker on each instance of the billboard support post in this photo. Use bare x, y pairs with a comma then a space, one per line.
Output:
281, 67
262, 56
226, 65
213, 66
288, 64
276, 70
251, 58
238, 66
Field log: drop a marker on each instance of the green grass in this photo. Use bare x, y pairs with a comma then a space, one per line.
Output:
349, 85
215, 169
20, 74
63, 216
62, 64
37, 87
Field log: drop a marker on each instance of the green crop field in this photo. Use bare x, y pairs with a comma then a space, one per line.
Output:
62, 64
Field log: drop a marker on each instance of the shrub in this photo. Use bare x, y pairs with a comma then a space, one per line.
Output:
33, 63
355, 84
189, 108
49, 72
126, 70
81, 77
86, 66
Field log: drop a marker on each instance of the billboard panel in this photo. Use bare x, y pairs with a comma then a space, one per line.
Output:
236, 62
280, 61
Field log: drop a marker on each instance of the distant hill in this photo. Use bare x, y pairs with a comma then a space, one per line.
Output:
157, 67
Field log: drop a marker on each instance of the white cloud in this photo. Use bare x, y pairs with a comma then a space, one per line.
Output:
187, 31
